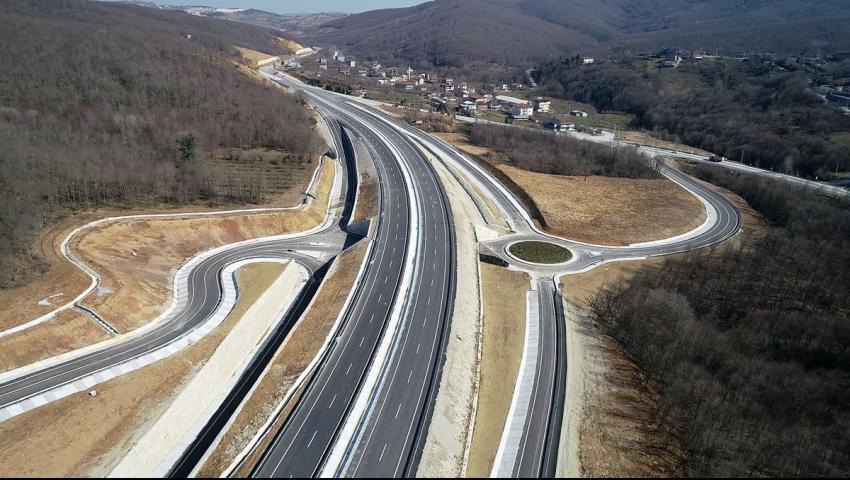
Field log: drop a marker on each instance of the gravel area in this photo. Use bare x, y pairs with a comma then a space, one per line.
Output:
445, 449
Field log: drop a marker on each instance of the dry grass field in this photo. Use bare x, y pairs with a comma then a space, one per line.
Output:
503, 337
610, 211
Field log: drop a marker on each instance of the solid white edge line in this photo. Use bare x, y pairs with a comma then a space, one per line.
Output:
353, 421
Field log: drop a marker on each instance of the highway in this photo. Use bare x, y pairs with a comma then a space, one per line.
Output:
395, 330
366, 410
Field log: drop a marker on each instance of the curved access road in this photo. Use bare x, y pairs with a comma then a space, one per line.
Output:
198, 300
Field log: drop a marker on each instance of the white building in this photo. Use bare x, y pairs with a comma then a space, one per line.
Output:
516, 107
268, 61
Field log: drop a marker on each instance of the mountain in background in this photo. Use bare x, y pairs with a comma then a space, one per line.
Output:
457, 33
295, 24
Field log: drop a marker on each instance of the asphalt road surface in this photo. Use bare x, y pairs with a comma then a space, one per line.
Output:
537, 452
196, 451
204, 293
414, 219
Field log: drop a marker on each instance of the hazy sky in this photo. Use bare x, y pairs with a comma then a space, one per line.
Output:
299, 6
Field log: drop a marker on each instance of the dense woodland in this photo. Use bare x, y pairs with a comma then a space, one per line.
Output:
750, 345
545, 152
111, 105
742, 110
473, 35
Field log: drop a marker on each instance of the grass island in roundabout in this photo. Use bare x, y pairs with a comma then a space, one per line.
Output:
540, 252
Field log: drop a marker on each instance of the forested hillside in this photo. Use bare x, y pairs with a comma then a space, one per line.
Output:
112, 105
471, 33
743, 110
749, 345
449, 33
541, 152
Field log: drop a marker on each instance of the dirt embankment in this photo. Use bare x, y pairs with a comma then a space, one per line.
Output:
461, 141
503, 337
615, 434
608, 428
58, 285
136, 260
87, 436
610, 211
68, 331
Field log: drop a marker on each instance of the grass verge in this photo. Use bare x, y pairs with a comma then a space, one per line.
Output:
503, 334
540, 252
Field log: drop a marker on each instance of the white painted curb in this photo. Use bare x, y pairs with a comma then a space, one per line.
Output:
355, 419
503, 464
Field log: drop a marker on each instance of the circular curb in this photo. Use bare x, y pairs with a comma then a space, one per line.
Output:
573, 256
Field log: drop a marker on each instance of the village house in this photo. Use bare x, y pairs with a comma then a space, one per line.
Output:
560, 124
404, 86
516, 107
469, 107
